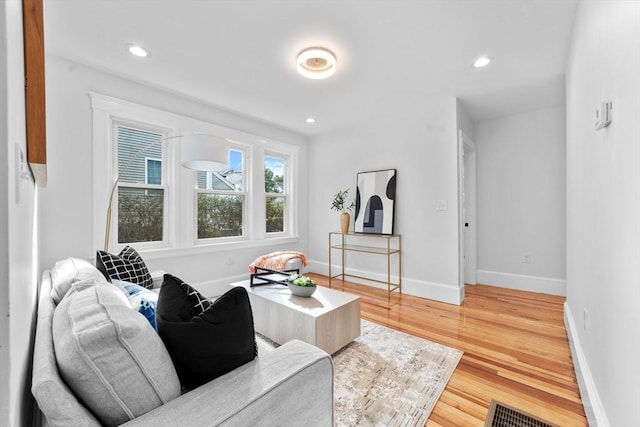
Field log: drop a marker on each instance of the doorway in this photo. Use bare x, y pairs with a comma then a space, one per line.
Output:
468, 230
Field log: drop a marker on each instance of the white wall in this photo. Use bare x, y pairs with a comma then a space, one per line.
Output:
419, 140
67, 227
464, 121
522, 201
4, 213
603, 207
18, 246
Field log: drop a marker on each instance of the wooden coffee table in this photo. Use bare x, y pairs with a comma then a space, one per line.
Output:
328, 319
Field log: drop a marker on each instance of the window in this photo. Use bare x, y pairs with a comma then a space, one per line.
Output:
221, 200
154, 171
140, 202
158, 204
275, 193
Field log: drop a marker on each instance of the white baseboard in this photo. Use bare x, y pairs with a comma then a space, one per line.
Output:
523, 282
593, 408
449, 294
420, 288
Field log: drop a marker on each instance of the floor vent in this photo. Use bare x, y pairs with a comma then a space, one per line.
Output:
501, 415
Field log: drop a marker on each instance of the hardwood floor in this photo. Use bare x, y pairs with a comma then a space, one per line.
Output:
515, 350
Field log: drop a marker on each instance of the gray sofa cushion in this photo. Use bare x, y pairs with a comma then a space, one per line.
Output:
55, 400
291, 386
67, 272
110, 356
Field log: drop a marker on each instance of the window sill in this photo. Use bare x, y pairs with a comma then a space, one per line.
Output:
164, 253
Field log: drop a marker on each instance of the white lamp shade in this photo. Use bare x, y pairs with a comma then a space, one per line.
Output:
205, 153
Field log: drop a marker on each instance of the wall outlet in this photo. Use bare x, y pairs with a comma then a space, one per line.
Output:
393, 259
526, 258
441, 205
230, 260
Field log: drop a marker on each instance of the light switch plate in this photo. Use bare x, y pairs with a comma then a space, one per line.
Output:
603, 115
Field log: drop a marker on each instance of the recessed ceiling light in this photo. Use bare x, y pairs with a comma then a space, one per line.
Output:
138, 51
310, 120
316, 63
483, 61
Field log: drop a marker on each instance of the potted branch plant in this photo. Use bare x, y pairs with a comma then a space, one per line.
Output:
339, 204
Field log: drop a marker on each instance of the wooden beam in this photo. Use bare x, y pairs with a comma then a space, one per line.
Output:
33, 24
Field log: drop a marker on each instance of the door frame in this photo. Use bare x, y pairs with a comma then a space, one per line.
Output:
467, 210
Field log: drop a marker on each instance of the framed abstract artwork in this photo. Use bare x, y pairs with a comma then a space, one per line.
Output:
375, 202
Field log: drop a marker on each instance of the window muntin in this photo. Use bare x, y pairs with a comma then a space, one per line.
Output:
141, 201
221, 200
275, 186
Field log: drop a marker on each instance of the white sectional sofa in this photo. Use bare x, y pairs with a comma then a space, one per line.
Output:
291, 385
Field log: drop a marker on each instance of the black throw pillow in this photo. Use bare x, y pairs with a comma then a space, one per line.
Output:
127, 266
205, 340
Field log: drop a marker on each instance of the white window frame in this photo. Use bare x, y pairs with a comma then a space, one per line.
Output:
246, 196
165, 241
285, 194
180, 201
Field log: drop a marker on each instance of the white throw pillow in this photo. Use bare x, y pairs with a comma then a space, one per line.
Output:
71, 270
110, 356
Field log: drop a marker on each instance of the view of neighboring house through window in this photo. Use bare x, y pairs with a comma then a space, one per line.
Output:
221, 199
154, 171
157, 205
275, 193
141, 193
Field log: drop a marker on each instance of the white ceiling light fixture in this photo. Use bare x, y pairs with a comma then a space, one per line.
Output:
483, 61
316, 63
138, 51
310, 120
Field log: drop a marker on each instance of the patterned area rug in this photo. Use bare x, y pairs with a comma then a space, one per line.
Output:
389, 378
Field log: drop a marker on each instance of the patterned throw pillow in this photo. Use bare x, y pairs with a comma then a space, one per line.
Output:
143, 300
127, 266
205, 339
199, 301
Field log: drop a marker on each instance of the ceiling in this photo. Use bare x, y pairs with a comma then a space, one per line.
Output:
240, 54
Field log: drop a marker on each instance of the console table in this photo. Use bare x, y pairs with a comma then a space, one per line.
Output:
387, 245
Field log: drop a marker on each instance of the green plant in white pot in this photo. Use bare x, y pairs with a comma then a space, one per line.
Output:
339, 204
301, 286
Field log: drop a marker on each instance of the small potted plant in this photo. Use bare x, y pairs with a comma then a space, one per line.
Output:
339, 204
301, 286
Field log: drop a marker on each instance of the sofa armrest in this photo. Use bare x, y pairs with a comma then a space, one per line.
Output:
290, 386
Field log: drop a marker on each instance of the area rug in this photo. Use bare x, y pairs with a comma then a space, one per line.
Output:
389, 378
